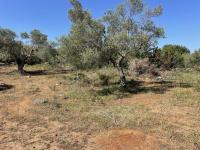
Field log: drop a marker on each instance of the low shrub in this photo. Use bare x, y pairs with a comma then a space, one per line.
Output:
104, 79
143, 66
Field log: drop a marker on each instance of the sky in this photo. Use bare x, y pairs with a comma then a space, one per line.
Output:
180, 20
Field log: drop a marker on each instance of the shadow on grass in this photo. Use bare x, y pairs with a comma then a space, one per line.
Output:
156, 87
136, 87
46, 72
39, 72
4, 87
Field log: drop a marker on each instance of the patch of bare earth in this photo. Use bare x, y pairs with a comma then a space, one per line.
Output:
20, 127
123, 139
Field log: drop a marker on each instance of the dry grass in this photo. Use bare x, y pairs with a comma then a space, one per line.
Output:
59, 110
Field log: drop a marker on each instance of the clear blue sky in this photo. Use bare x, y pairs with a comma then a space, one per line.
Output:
181, 18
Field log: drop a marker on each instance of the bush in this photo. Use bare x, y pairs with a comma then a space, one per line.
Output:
80, 77
85, 58
143, 66
195, 59
6, 58
104, 78
34, 60
170, 56
90, 59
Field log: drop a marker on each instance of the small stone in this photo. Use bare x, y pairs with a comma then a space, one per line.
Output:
66, 97
29, 76
159, 79
40, 101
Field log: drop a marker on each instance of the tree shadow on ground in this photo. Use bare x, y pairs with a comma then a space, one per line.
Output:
46, 72
4, 87
137, 87
41, 72
157, 87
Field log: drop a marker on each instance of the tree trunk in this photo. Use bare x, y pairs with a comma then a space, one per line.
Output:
119, 66
20, 67
123, 81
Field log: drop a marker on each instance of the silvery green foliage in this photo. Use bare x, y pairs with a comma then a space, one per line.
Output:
84, 38
130, 32
22, 49
121, 34
130, 28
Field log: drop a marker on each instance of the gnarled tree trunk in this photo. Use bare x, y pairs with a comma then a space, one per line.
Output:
20, 66
123, 81
119, 66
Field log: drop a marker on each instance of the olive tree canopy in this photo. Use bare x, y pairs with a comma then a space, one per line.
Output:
21, 49
130, 32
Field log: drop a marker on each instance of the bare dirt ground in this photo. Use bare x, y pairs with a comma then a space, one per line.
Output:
120, 139
18, 130
26, 125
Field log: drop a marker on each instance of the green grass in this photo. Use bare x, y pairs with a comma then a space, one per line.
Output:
188, 97
136, 116
37, 67
189, 77
185, 98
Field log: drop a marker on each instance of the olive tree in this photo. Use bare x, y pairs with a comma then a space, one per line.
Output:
84, 42
6, 38
21, 49
130, 31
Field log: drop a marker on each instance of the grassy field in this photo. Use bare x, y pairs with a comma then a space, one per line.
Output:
87, 110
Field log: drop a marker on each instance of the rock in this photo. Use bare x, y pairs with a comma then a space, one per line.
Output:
40, 101
60, 83
66, 97
159, 79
